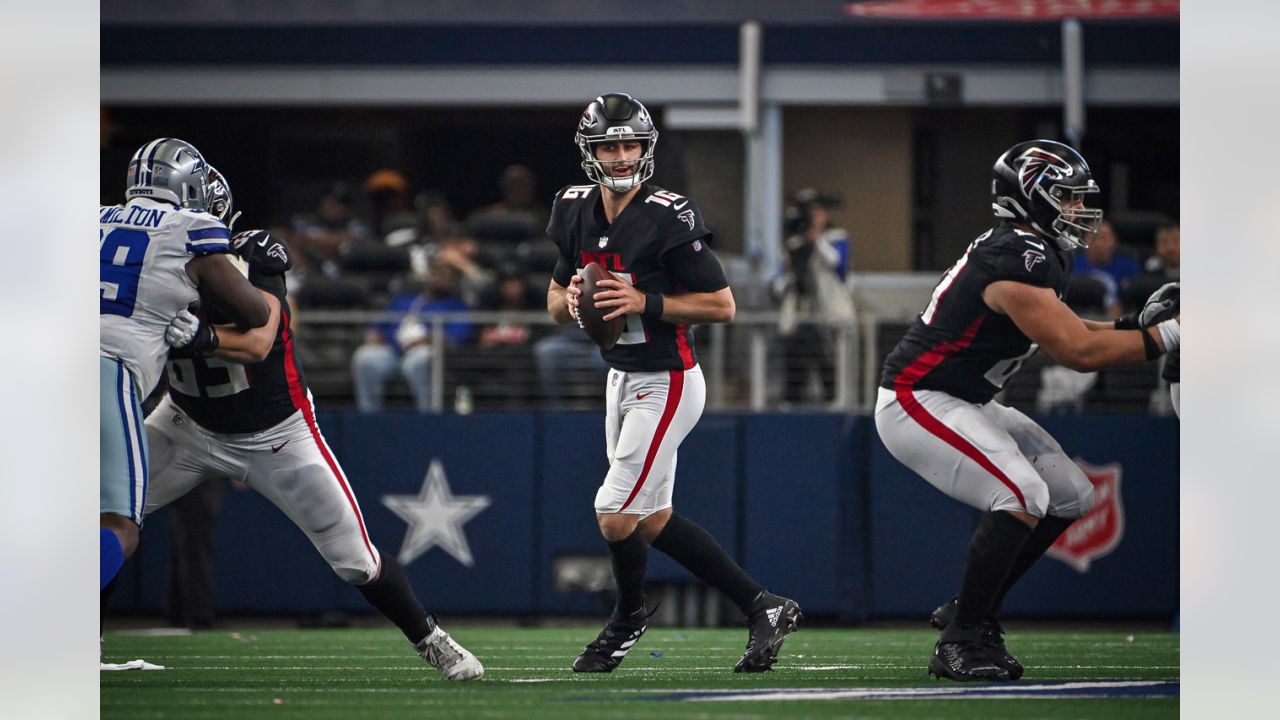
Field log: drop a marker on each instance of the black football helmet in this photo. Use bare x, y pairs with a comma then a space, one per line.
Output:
221, 203
609, 118
1042, 183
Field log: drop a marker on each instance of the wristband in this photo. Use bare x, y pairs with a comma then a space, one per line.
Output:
1128, 322
1150, 346
652, 306
1170, 334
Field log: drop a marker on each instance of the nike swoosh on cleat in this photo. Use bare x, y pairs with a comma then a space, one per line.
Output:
277, 448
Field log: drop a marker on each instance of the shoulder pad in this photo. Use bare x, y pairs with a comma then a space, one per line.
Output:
575, 192
264, 252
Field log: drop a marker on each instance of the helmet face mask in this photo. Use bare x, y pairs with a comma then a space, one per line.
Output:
169, 170
1044, 184
610, 118
221, 203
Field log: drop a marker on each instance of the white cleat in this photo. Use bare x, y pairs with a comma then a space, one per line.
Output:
444, 653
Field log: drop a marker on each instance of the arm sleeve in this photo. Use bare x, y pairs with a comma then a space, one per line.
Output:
270, 282
563, 272
555, 230
696, 267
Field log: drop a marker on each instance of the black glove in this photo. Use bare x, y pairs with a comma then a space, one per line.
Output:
265, 253
201, 346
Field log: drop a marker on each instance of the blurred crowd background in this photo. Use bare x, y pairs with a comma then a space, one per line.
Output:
409, 153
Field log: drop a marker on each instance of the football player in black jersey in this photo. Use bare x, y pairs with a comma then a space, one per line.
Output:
992, 310
667, 279
238, 407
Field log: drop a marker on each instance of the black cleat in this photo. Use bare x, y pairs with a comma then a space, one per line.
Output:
993, 644
961, 655
613, 643
992, 638
772, 619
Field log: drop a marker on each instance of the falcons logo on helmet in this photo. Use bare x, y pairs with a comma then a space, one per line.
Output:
1035, 164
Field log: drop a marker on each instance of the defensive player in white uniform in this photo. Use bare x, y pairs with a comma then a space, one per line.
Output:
159, 252
992, 310
656, 244
241, 409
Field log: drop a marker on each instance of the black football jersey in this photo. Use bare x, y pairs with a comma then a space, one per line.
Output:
637, 247
960, 346
232, 398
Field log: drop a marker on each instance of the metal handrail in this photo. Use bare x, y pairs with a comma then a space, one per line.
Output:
854, 386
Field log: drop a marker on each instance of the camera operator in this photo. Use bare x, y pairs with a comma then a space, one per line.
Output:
813, 294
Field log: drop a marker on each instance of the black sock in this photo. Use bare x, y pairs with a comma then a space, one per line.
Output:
393, 597
1045, 533
694, 548
630, 559
992, 552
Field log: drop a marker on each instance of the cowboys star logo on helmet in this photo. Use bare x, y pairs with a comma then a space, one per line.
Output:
1037, 163
1031, 257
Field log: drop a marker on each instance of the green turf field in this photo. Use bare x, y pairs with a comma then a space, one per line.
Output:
349, 674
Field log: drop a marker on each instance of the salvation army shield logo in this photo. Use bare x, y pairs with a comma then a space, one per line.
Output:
1100, 530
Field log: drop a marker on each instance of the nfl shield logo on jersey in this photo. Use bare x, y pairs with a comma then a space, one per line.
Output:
1100, 530
604, 240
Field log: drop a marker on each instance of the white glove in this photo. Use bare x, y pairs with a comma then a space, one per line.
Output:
411, 332
1162, 305
182, 329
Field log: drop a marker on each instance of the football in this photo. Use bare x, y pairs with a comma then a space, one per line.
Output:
590, 318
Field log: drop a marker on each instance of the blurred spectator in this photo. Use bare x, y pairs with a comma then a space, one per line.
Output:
512, 294
1104, 263
561, 356
435, 215
505, 348
518, 215
1162, 267
407, 347
812, 288
319, 239
457, 250
394, 221
1167, 262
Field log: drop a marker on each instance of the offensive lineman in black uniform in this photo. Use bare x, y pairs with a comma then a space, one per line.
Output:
655, 243
238, 407
990, 312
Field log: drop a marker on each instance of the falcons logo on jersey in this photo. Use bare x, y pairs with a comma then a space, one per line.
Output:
1036, 164
1031, 257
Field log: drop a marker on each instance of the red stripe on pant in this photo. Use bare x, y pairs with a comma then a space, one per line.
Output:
675, 389
904, 386
300, 401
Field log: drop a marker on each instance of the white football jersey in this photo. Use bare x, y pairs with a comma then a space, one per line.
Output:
144, 247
